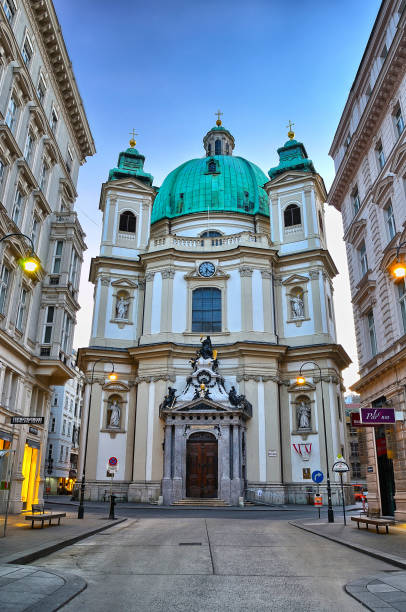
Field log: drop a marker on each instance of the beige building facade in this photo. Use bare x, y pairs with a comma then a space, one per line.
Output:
44, 138
369, 152
225, 252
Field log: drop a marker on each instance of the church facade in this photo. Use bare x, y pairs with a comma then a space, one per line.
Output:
210, 294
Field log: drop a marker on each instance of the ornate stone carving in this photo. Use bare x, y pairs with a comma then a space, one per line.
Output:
149, 277
303, 416
168, 273
314, 274
105, 281
266, 274
246, 271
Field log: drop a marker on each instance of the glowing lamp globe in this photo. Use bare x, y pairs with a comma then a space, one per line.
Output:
300, 380
113, 376
30, 264
399, 270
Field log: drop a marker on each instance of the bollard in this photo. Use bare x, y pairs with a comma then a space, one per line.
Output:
112, 504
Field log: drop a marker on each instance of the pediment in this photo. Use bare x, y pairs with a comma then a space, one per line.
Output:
382, 191
124, 282
356, 230
294, 279
202, 405
399, 160
306, 388
130, 183
288, 177
117, 386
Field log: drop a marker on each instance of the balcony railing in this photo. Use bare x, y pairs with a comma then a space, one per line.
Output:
185, 243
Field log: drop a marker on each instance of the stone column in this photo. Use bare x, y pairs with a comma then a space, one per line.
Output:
246, 297
317, 317
224, 460
149, 278
179, 459
167, 299
236, 481
267, 301
2, 376
167, 481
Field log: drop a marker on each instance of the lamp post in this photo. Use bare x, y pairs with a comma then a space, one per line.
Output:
29, 263
301, 381
112, 376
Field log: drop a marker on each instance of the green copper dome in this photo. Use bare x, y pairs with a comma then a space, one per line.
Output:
131, 163
217, 183
292, 156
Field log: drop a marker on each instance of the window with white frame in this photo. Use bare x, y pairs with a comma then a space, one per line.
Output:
66, 333
363, 259
41, 89
61, 453
43, 177
22, 306
53, 425
27, 51
355, 200
73, 271
29, 145
35, 232
371, 332
49, 325
18, 204
11, 114
4, 286
399, 122
9, 9
384, 53
64, 427
380, 155
402, 302
390, 220
69, 159
54, 120
56, 266
2, 172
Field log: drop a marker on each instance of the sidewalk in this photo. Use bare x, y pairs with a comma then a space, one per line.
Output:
29, 588
381, 592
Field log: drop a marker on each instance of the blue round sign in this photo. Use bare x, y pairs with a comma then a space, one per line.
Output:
317, 476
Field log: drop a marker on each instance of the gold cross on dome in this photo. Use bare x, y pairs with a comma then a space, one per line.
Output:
291, 133
219, 113
133, 134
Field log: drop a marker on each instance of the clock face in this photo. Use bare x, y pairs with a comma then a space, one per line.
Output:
206, 269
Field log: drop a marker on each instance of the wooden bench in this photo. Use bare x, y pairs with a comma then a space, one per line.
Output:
373, 521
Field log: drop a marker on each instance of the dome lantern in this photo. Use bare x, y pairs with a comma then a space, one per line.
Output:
218, 140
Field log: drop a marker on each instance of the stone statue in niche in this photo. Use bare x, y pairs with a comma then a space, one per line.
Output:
303, 416
122, 308
297, 306
114, 414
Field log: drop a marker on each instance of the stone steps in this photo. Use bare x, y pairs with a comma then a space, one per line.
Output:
209, 502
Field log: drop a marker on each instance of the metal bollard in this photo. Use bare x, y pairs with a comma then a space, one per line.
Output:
112, 504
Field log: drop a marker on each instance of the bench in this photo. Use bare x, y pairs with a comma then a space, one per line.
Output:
42, 515
373, 521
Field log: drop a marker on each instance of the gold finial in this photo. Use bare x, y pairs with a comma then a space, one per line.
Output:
291, 133
132, 141
219, 113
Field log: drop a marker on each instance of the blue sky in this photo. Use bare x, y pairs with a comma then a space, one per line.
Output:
166, 67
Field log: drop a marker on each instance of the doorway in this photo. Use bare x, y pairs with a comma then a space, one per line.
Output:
201, 466
385, 472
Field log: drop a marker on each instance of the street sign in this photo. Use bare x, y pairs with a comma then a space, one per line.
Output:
340, 466
318, 500
27, 420
317, 476
113, 461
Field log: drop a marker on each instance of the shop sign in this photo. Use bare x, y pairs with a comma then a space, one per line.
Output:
27, 420
33, 430
377, 416
370, 468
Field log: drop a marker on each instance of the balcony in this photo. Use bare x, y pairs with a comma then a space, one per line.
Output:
204, 245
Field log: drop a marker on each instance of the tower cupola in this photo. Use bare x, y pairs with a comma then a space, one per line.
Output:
218, 140
131, 163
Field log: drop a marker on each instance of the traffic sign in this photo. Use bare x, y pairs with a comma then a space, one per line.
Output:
318, 500
340, 466
317, 476
113, 461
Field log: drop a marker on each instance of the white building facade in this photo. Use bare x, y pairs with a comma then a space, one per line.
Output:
44, 139
369, 152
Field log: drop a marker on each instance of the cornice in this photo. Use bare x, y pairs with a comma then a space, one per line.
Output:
52, 39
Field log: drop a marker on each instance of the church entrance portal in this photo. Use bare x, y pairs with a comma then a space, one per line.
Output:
201, 465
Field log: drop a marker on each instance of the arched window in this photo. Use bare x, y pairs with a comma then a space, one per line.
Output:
217, 147
209, 149
206, 310
210, 234
292, 215
127, 222
212, 166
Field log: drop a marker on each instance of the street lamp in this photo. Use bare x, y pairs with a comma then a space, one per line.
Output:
30, 263
398, 269
301, 381
112, 376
